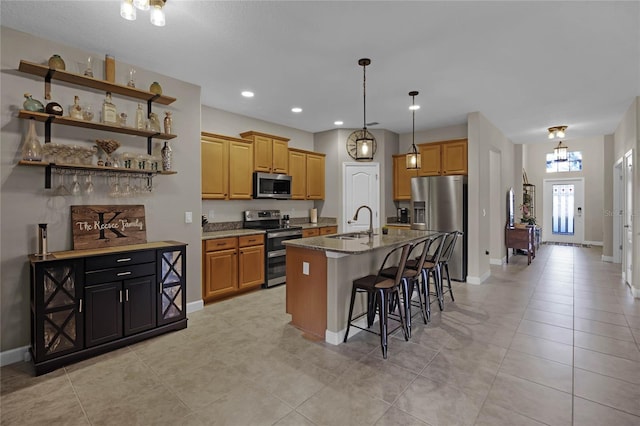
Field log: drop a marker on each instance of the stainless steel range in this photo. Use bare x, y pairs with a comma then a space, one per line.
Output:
276, 233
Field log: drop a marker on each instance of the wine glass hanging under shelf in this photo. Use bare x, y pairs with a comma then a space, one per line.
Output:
120, 183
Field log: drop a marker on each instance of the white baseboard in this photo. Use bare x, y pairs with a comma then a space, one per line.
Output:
607, 259
195, 306
594, 243
14, 355
634, 291
337, 337
478, 280
498, 262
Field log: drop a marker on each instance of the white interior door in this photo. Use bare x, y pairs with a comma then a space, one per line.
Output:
627, 246
361, 188
563, 210
618, 211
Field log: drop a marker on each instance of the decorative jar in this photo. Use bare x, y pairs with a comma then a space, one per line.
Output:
31, 148
56, 63
31, 104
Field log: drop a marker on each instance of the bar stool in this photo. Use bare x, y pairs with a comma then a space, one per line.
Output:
443, 264
411, 278
379, 292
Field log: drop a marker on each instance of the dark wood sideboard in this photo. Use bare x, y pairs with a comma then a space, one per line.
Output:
518, 238
88, 302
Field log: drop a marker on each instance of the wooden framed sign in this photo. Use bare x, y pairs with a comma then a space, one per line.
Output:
108, 226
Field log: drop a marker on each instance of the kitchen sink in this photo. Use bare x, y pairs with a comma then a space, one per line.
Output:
349, 236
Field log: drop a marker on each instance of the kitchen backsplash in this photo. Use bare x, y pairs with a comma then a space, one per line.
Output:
299, 221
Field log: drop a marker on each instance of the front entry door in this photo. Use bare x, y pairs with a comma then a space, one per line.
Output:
361, 187
564, 210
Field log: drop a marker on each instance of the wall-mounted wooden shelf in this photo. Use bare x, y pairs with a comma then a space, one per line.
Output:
94, 83
68, 121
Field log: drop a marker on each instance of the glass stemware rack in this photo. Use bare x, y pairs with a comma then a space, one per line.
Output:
93, 83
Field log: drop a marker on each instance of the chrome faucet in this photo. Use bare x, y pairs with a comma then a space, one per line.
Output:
355, 217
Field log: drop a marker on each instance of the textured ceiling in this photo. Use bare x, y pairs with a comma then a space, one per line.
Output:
525, 65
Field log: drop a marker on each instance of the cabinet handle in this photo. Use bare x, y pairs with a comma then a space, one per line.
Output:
160, 285
80, 307
121, 274
124, 259
126, 295
120, 296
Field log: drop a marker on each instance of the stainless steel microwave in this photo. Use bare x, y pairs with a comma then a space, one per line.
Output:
270, 185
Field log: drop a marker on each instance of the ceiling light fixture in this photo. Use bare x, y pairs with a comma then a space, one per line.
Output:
365, 142
157, 16
560, 151
296, 109
338, 123
413, 158
247, 94
557, 132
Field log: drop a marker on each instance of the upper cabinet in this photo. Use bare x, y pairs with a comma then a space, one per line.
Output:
270, 153
443, 158
227, 167
402, 178
307, 170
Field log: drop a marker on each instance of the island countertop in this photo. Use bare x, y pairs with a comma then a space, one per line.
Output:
362, 244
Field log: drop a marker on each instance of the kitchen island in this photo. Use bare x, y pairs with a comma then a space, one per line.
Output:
320, 271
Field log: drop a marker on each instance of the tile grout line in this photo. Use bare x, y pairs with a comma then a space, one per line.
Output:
75, 392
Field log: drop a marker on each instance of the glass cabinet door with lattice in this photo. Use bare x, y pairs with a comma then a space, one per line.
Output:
56, 305
172, 282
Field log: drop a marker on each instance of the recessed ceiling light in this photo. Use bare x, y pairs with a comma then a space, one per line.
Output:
296, 109
338, 123
247, 94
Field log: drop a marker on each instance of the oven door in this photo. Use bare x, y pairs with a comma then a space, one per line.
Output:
275, 239
276, 269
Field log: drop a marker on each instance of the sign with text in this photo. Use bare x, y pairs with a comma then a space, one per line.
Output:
108, 226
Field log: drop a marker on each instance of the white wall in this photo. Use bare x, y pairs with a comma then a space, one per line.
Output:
230, 124
592, 171
25, 202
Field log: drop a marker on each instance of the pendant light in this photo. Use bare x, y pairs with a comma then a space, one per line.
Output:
413, 158
560, 151
365, 142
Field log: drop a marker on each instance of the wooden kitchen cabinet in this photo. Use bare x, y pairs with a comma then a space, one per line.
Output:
227, 167
310, 232
307, 170
270, 153
402, 178
328, 230
443, 158
232, 265
88, 302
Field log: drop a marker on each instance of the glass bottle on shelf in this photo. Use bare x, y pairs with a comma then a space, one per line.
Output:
76, 110
31, 104
154, 122
31, 148
166, 156
109, 112
168, 122
140, 122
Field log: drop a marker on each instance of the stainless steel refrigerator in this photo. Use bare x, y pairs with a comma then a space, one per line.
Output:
440, 203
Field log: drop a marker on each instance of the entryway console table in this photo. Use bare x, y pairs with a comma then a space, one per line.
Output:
521, 238
88, 302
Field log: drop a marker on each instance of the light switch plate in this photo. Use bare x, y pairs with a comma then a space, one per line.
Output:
305, 268
188, 217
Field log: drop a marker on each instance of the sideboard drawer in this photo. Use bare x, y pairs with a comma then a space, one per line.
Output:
117, 260
119, 274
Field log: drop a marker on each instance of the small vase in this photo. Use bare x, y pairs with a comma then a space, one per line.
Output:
155, 88
31, 148
168, 122
31, 104
56, 63
166, 157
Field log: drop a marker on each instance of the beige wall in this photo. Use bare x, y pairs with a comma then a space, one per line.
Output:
607, 198
230, 124
592, 171
25, 202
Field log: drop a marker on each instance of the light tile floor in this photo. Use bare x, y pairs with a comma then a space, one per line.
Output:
552, 343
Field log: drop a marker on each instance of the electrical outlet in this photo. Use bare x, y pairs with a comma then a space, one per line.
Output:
305, 268
188, 217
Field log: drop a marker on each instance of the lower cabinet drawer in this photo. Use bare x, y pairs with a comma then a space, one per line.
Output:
119, 274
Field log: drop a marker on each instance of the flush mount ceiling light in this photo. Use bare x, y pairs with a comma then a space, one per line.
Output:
557, 132
560, 151
338, 123
157, 17
361, 144
247, 94
296, 109
413, 158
